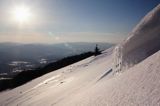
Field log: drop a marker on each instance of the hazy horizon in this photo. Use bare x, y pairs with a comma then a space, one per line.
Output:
59, 21
35, 43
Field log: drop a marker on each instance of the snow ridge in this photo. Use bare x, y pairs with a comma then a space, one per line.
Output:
142, 42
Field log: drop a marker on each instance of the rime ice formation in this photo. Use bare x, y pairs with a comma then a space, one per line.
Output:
142, 42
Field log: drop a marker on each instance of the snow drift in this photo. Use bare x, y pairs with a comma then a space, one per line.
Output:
142, 42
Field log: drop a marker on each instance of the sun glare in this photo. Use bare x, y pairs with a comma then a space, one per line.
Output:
22, 14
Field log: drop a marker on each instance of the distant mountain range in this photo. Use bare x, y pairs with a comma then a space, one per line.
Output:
15, 57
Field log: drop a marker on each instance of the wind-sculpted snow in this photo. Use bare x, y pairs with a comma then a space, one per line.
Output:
142, 42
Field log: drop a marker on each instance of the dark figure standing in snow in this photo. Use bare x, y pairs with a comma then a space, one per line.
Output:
97, 51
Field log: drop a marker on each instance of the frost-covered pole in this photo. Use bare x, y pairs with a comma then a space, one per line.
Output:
117, 58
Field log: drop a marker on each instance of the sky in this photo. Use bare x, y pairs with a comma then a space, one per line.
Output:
58, 21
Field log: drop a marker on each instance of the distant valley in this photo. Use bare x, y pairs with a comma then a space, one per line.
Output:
15, 57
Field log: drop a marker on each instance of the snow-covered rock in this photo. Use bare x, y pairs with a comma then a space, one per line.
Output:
142, 42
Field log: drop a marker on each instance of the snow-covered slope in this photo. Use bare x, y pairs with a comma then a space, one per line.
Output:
142, 42
139, 86
93, 82
59, 85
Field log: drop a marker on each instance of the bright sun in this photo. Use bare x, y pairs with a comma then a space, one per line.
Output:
22, 14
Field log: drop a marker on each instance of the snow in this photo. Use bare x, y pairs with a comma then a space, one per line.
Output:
142, 42
100, 81
139, 86
55, 86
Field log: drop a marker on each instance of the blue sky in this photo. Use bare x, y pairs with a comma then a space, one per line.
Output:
56, 21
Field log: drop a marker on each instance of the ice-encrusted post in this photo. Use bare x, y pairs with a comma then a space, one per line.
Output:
117, 64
